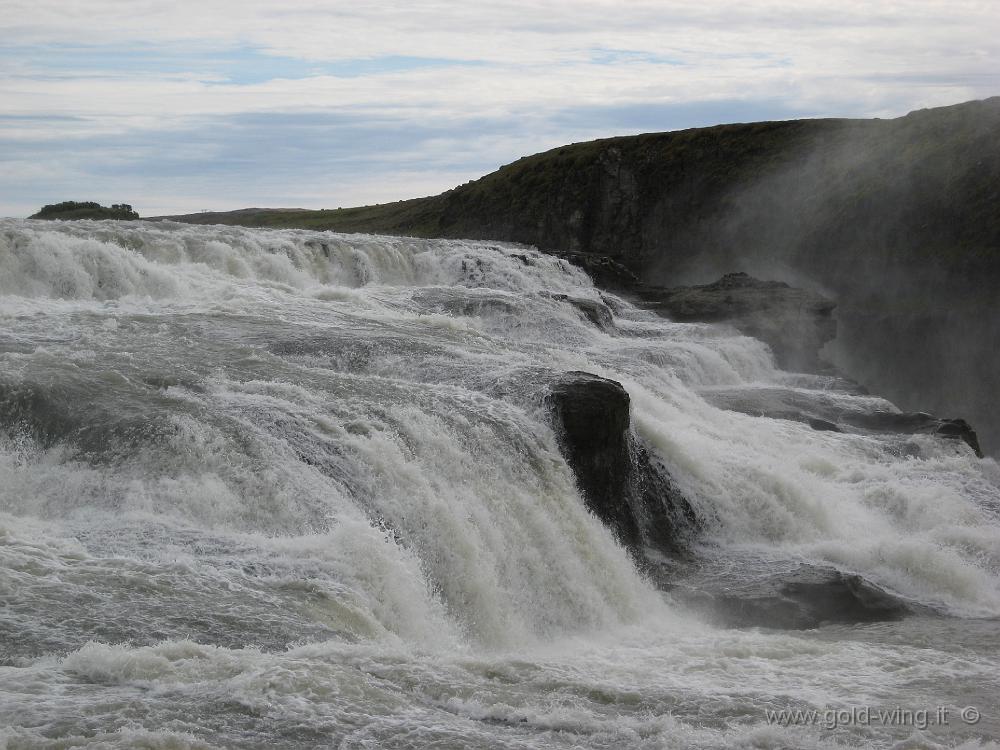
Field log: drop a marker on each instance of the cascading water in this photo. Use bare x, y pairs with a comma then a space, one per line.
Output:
298, 489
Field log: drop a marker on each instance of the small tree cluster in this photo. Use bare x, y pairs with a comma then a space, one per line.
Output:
86, 210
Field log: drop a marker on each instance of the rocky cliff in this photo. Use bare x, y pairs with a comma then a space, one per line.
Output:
921, 189
795, 323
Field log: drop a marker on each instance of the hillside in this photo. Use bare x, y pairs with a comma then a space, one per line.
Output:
924, 186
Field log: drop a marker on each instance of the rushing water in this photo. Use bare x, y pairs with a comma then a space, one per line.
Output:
280, 489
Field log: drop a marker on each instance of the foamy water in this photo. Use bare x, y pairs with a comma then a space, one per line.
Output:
299, 489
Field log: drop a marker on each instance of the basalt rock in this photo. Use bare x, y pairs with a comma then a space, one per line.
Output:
914, 423
622, 483
596, 312
824, 411
799, 597
606, 272
795, 323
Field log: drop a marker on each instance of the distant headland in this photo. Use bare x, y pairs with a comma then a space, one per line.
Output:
69, 210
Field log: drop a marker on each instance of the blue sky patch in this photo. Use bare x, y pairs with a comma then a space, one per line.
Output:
239, 66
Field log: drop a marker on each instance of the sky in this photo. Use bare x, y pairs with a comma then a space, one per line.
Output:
222, 104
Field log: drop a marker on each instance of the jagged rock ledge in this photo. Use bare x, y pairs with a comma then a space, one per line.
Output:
789, 596
795, 323
604, 271
829, 414
622, 483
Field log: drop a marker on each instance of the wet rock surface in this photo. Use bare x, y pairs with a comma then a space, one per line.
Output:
915, 423
787, 596
825, 411
596, 312
795, 323
606, 272
621, 482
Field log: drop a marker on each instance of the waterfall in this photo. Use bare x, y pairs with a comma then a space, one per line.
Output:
232, 448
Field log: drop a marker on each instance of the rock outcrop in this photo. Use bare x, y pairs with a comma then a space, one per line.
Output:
621, 482
789, 596
795, 323
596, 312
825, 411
916, 423
606, 272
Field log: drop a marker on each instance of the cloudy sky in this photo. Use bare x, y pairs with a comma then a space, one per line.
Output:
224, 104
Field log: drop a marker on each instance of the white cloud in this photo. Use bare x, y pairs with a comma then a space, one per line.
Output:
536, 60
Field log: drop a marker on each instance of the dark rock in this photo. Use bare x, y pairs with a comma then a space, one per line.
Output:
593, 416
596, 312
822, 425
621, 482
823, 410
795, 323
914, 423
804, 596
605, 271
819, 408
667, 521
827, 595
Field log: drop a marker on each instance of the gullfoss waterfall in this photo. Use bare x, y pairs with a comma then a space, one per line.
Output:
299, 489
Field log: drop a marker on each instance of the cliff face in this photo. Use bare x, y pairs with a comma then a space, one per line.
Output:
922, 191
811, 195
830, 199
633, 198
897, 220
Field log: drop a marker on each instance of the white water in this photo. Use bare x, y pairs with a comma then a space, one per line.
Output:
294, 489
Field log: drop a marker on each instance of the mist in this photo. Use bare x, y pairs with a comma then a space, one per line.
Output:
886, 217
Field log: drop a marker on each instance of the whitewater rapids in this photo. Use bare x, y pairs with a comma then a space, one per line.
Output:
282, 489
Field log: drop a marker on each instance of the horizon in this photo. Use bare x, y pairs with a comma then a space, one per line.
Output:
310, 105
500, 167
